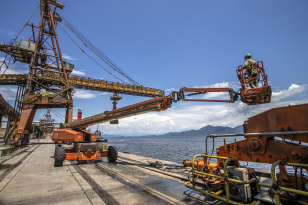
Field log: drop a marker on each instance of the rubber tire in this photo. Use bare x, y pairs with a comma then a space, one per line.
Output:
112, 153
59, 156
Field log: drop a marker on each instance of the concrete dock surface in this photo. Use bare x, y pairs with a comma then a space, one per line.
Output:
28, 176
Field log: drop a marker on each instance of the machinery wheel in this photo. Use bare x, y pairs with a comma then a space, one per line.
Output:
112, 153
59, 156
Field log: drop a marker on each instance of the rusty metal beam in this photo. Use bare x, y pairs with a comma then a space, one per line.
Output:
84, 83
6, 109
288, 123
157, 104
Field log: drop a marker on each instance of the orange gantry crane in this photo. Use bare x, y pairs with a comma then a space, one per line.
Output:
49, 83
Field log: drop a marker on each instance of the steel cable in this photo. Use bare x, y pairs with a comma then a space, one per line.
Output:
87, 54
90, 56
96, 51
11, 43
101, 55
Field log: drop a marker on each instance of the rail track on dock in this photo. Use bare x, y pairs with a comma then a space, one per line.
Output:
180, 174
135, 184
138, 186
135, 176
147, 166
130, 182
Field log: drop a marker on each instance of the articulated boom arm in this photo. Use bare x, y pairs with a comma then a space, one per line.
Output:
156, 104
180, 95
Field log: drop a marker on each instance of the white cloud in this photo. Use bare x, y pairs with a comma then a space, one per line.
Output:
233, 85
8, 92
293, 90
87, 94
170, 90
78, 72
13, 69
67, 57
11, 33
84, 94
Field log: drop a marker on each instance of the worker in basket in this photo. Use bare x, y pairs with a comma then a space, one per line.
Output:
251, 73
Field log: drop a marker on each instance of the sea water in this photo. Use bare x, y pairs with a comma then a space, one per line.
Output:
175, 148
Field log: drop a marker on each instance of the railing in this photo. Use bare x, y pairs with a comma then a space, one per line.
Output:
225, 178
261, 76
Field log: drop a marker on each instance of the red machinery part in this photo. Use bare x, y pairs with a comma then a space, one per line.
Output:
70, 155
79, 116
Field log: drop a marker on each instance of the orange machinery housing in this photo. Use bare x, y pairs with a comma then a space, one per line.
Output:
84, 147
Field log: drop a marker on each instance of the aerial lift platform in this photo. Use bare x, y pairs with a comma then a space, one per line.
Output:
84, 147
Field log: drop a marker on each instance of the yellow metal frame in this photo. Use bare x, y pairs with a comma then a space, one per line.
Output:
226, 160
89, 83
274, 182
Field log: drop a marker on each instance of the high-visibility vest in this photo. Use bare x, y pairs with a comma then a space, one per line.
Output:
251, 66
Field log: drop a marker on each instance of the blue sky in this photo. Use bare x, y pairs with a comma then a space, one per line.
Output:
176, 43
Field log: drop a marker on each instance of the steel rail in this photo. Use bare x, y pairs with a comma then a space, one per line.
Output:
134, 184
148, 167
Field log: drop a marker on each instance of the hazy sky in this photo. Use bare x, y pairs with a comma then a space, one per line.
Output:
169, 44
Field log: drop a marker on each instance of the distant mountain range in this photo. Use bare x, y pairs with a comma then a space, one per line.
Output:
209, 129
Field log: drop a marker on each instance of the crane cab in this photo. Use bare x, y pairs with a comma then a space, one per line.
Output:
252, 95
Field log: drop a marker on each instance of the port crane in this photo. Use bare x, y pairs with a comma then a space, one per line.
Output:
50, 83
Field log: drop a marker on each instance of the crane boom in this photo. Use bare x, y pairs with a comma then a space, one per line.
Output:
84, 83
156, 104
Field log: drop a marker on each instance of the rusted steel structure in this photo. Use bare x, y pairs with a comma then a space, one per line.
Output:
279, 137
84, 83
258, 95
6, 109
156, 104
49, 83
265, 148
180, 95
43, 54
